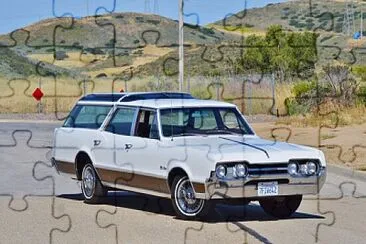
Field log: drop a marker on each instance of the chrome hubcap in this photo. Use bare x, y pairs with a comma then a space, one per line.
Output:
89, 182
186, 199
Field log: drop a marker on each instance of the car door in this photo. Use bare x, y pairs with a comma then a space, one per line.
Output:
143, 153
116, 140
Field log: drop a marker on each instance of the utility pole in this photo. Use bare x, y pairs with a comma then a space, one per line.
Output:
361, 28
181, 45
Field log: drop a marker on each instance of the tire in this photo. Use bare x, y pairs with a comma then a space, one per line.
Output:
281, 207
91, 187
196, 209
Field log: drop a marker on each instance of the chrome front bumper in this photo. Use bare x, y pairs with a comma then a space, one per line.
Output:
248, 187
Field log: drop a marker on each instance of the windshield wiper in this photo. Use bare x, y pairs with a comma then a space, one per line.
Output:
188, 134
226, 131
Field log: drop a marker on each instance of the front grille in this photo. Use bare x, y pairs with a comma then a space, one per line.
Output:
267, 169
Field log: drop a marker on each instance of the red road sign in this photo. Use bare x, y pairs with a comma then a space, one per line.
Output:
37, 94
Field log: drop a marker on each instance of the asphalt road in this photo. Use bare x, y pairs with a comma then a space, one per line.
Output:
39, 206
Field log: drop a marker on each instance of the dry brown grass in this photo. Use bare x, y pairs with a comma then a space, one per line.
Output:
242, 31
60, 95
69, 91
339, 117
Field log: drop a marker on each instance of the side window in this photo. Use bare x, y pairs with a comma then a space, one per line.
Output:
173, 121
87, 116
229, 119
147, 125
121, 122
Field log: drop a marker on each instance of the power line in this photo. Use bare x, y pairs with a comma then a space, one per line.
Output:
349, 18
155, 5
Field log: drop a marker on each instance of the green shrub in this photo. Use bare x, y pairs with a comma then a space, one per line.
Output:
338, 28
361, 94
295, 107
293, 22
139, 19
207, 31
61, 55
154, 22
309, 26
248, 25
303, 87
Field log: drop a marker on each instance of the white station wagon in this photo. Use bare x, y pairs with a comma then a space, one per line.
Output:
175, 146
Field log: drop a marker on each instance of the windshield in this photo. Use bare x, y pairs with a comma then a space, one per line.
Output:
202, 121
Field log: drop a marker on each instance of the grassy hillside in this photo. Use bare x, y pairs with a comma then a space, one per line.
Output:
295, 16
15, 65
132, 30
326, 17
87, 45
108, 44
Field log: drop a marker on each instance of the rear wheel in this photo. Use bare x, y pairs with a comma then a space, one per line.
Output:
91, 187
281, 207
185, 203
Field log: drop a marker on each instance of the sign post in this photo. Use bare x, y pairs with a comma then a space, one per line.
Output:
38, 94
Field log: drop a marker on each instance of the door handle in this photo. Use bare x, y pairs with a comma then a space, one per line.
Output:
97, 142
128, 146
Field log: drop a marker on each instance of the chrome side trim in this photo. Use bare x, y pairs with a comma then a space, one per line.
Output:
136, 190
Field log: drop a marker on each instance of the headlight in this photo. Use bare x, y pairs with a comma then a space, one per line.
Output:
312, 168
220, 171
304, 170
292, 168
240, 170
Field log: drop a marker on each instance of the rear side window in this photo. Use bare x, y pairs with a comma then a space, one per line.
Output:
122, 121
87, 116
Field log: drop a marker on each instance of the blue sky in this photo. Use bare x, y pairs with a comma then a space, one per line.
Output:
19, 13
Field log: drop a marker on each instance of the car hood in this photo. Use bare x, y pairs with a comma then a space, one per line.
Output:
253, 149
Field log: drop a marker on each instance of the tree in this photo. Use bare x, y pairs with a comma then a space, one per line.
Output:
341, 82
286, 54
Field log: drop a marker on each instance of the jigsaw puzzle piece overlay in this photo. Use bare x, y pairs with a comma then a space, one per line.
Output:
18, 157
57, 96
95, 7
18, 225
350, 191
19, 150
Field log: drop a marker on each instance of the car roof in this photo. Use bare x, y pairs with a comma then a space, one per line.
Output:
151, 100
134, 96
176, 103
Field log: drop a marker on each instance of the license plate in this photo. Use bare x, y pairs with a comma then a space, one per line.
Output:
268, 188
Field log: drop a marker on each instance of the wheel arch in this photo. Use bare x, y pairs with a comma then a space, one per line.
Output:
81, 159
173, 173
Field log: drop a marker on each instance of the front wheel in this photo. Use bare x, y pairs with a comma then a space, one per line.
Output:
281, 207
185, 204
91, 187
